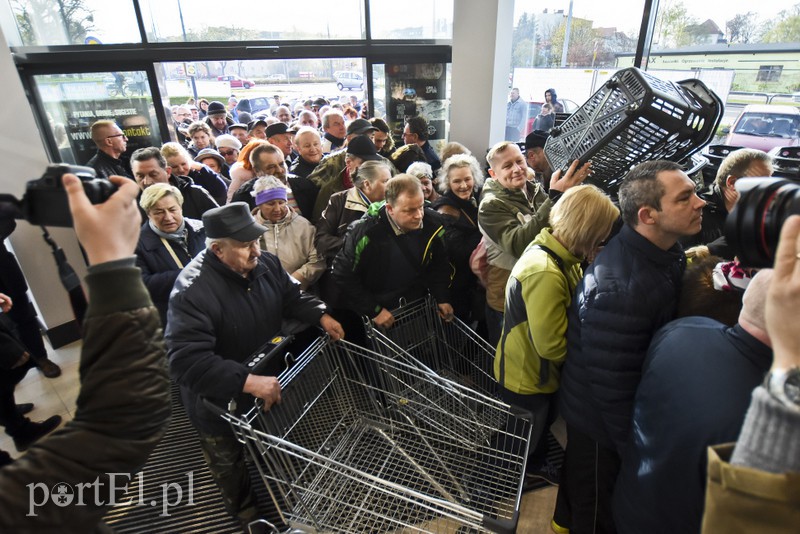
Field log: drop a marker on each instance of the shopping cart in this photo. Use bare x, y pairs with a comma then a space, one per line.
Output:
346, 451
450, 349
421, 338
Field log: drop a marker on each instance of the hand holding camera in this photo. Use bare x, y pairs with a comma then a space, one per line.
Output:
784, 297
107, 231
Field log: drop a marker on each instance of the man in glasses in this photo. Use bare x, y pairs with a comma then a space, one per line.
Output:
111, 144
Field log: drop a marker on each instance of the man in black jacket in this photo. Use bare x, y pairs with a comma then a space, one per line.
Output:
150, 167
111, 144
627, 293
227, 303
395, 251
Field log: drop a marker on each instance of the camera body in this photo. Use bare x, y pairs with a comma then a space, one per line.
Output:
45, 201
754, 225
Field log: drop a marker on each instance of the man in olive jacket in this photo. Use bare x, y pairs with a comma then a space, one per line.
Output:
513, 210
123, 407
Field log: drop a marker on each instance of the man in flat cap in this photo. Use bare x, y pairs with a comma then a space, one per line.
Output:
226, 304
278, 135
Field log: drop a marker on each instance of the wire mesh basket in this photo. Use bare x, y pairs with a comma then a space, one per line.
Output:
450, 349
635, 117
346, 450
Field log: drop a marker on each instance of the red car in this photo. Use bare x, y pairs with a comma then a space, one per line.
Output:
534, 108
237, 82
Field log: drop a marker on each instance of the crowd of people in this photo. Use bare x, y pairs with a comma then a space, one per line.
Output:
310, 219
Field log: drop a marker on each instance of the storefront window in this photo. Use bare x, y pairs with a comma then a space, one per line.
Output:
68, 22
210, 20
73, 102
567, 47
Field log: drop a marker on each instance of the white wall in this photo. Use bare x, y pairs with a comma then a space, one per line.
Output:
24, 158
481, 65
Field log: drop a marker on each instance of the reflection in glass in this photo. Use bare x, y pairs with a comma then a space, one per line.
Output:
208, 20
69, 22
413, 19
73, 102
403, 91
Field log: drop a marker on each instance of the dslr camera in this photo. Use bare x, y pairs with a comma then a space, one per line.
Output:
45, 200
754, 225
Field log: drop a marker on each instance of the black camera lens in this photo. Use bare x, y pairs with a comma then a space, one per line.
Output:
754, 225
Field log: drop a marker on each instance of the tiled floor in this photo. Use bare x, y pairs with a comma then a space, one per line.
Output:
58, 396
50, 396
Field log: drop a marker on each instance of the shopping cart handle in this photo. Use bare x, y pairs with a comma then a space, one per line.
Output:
216, 408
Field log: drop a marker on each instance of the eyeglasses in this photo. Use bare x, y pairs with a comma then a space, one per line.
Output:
117, 135
230, 152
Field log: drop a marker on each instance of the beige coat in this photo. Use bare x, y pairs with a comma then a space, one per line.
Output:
292, 241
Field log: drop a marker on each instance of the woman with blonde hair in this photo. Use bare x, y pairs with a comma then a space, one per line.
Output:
289, 236
167, 243
182, 164
533, 344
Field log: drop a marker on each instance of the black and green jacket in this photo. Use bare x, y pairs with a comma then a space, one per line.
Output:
376, 267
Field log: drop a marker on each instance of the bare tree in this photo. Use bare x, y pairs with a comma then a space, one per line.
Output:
742, 27
671, 25
70, 18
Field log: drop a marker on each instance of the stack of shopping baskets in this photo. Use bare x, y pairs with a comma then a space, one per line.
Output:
380, 441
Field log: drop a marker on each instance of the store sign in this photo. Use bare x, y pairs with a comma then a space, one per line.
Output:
133, 115
416, 89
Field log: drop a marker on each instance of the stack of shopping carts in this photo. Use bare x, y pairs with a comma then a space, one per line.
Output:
449, 349
371, 442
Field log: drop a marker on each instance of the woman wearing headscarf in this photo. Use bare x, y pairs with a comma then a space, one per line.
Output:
289, 235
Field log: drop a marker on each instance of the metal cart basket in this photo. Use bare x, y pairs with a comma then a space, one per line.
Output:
346, 450
450, 349
635, 117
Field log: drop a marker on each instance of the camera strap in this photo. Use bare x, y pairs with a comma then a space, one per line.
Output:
69, 279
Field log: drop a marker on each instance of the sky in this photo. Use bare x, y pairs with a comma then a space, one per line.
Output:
626, 14
115, 17
269, 15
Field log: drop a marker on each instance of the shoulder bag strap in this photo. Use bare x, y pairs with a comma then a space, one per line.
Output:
172, 252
